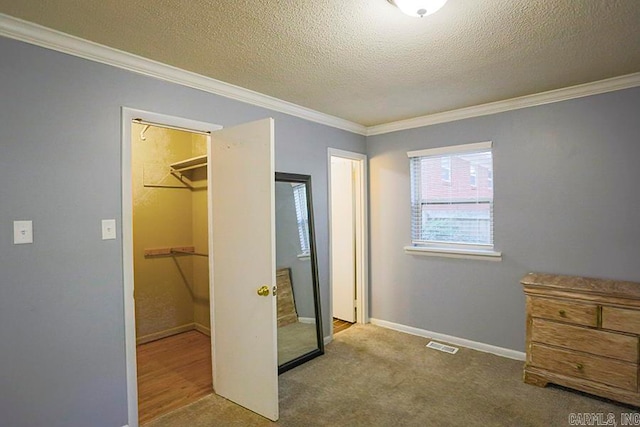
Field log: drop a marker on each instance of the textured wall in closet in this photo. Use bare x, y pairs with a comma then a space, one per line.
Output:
169, 289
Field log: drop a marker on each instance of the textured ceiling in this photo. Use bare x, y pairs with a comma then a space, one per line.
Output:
363, 60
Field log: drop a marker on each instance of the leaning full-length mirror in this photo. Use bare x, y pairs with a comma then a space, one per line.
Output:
299, 320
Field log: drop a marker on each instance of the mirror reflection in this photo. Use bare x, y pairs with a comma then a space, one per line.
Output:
299, 324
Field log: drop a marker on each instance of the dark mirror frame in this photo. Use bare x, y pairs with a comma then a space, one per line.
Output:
306, 180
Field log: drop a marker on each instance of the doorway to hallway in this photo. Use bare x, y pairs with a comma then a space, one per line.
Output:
347, 237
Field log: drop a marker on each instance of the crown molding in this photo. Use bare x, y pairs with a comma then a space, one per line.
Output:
38, 35
557, 95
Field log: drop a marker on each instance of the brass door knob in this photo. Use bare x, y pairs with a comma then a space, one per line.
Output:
579, 366
263, 291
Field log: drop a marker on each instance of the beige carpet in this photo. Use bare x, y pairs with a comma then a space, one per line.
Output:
372, 376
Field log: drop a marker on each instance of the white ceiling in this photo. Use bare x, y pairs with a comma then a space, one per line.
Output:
363, 60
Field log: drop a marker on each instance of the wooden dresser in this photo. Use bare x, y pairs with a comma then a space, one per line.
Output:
583, 333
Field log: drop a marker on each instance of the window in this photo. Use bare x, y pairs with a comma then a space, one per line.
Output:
445, 169
457, 213
300, 200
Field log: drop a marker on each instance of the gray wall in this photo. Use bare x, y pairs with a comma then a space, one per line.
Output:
61, 299
567, 201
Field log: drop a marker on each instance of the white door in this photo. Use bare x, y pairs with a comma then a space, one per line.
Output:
343, 248
242, 206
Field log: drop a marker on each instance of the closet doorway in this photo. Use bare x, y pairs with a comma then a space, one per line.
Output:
240, 200
348, 238
171, 268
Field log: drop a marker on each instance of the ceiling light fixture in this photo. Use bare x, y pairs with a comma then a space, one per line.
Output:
418, 8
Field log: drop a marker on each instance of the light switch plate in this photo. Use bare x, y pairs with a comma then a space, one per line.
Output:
22, 232
108, 229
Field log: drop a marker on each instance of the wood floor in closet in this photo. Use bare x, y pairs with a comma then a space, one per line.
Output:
173, 372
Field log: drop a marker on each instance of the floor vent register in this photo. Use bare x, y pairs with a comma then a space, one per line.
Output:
442, 347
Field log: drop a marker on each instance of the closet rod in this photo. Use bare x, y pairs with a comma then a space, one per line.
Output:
146, 122
178, 251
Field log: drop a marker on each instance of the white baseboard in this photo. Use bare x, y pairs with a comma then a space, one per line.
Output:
328, 339
202, 329
487, 348
163, 334
309, 320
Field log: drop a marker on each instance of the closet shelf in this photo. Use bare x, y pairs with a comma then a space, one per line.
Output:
183, 250
178, 251
189, 164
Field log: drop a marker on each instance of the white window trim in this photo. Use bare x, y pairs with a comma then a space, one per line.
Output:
450, 150
454, 252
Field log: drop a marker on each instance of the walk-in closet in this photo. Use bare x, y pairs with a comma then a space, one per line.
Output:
171, 268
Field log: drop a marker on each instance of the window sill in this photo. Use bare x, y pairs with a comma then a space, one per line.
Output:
480, 254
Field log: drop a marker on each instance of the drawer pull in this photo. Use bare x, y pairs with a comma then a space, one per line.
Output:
579, 366
562, 313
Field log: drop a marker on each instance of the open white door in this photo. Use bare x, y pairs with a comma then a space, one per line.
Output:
242, 206
343, 248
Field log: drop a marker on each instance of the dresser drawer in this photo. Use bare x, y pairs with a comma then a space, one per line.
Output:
603, 370
601, 343
621, 319
565, 311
